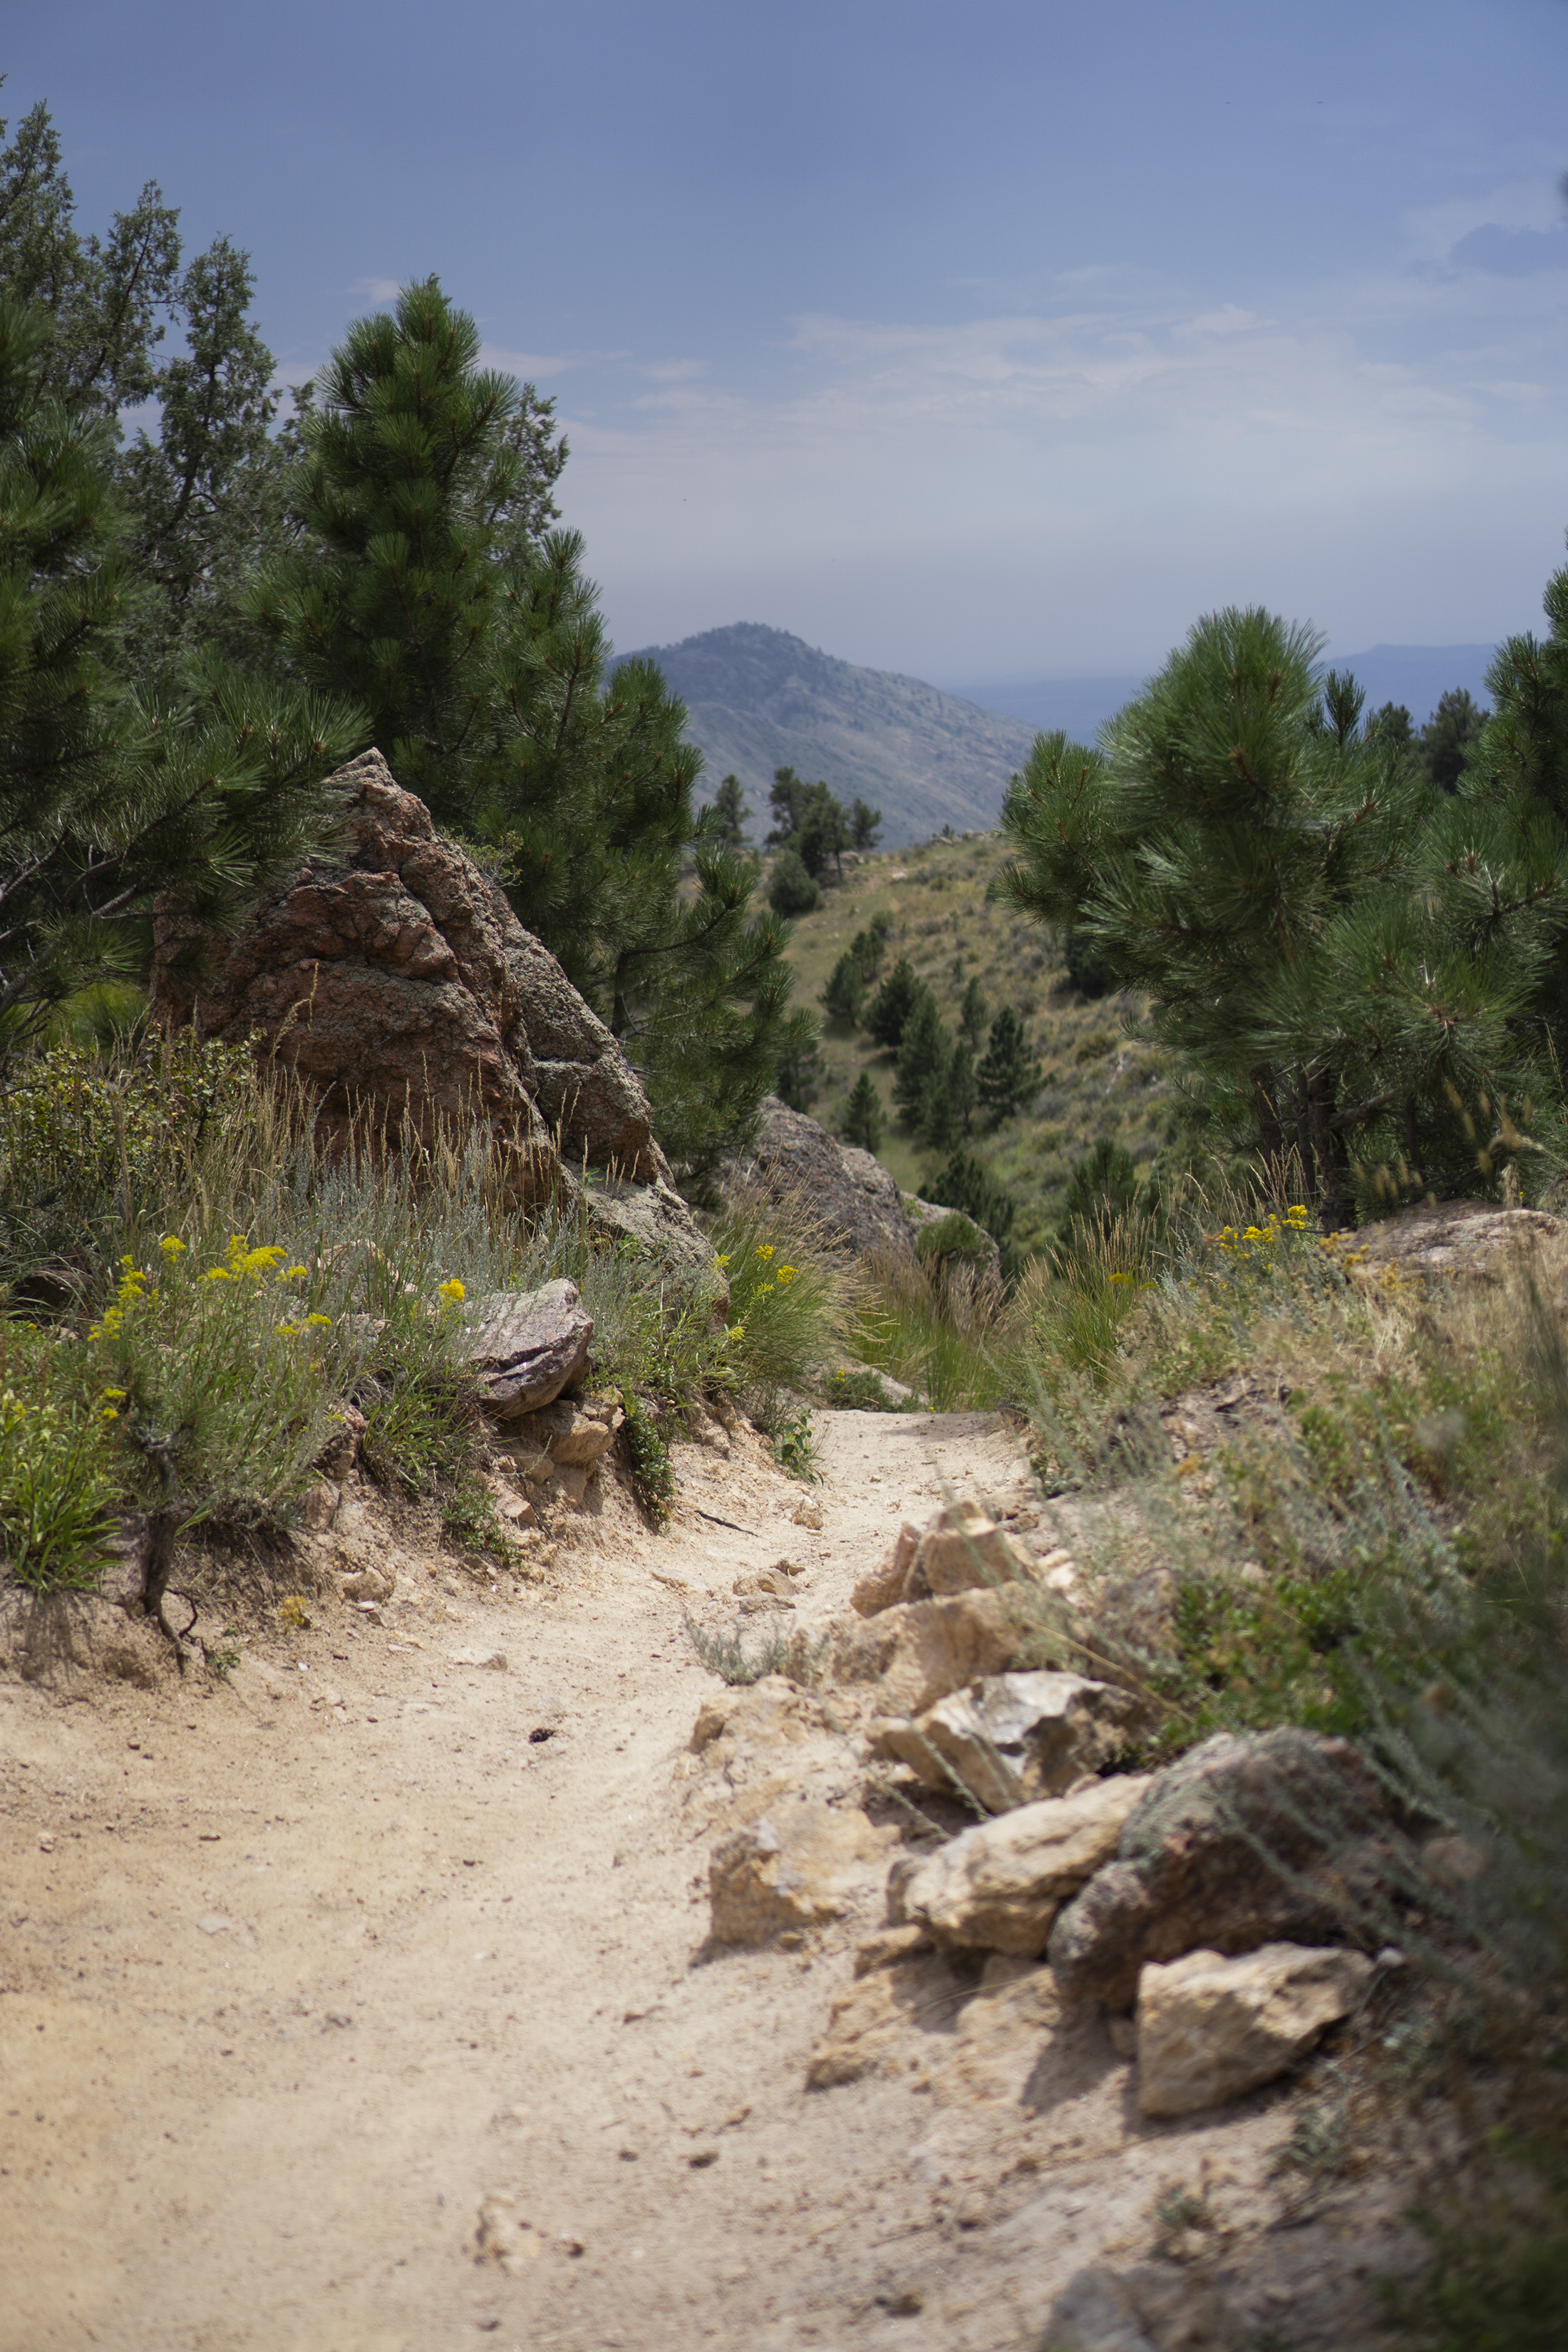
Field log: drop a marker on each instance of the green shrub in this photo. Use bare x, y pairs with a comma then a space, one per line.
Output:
653, 1472
56, 1491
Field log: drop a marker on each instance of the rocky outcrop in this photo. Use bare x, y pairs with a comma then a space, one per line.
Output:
1210, 2028
849, 1195
1447, 1238
963, 1550
1011, 1740
998, 1887
527, 1346
921, 1650
1243, 1841
392, 978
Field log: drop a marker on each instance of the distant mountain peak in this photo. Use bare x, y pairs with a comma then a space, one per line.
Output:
759, 698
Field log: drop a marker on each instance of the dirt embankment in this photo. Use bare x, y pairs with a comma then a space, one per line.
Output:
320, 1982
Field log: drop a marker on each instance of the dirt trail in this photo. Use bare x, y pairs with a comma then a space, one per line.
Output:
298, 1971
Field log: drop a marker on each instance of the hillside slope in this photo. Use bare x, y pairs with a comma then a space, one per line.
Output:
758, 699
1100, 1071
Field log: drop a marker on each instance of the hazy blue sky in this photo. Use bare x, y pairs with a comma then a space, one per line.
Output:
975, 340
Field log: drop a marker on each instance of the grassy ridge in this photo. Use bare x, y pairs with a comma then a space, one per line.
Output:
1101, 1074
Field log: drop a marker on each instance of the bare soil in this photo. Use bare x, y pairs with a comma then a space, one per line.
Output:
308, 1974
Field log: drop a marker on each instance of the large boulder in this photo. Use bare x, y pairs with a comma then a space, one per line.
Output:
1010, 1740
854, 1201
1277, 1835
391, 977
1212, 2028
998, 1886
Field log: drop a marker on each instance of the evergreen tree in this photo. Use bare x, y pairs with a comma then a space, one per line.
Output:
865, 825
971, 1012
925, 1051
870, 946
962, 1183
482, 657
1448, 738
787, 798
791, 890
1008, 1073
845, 990
798, 1080
893, 1003
1099, 1189
727, 815
863, 1121
107, 800
1323, 956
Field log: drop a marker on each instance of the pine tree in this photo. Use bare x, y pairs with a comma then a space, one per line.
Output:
845, 990
870, 946
791, 890
727, 813
971, 1012
893, 1003
481, 654
1008, 1073
1449, 736
863, 1121
1325, 951
865, 825
107, 800
962, 1183
925, 1051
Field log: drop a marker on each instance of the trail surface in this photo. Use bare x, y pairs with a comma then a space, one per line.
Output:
305, 1976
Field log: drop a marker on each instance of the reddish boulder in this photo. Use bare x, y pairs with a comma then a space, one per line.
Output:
392, 976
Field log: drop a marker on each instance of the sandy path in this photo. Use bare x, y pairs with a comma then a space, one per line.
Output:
298, 1971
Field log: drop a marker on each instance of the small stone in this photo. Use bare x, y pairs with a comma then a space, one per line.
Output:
214, 1924
888, 1947
793, 1869
1210, 2028
46, 1844
320, 1507
503, 2236
491, 1662
900, 2302
702, 2158
999, 1887
807, 1512
339, 2017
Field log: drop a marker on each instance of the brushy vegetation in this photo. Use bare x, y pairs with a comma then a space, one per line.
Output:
192, 1288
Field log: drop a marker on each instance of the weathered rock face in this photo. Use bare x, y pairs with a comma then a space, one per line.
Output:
998, 1887
1453, 1238
1211, 2029
849, 1192
393, 977
793, 1869
1243, 1841
1014, 1738
963, 1550
528, 1346
921, 1650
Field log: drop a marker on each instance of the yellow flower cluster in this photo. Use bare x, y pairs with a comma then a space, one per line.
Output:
452, 1293
1252, 1241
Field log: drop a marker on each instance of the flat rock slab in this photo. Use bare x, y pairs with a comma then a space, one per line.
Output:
1212, 2028
921, 1650
998, 1886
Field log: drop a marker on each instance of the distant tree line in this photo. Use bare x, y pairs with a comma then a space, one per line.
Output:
199, 622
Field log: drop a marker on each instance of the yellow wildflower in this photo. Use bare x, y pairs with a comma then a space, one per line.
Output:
452, 1292
765, 1250
172, 1247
